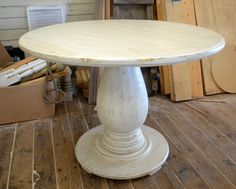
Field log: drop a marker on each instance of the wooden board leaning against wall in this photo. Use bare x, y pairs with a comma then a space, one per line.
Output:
220, 16
182, 81
216, 15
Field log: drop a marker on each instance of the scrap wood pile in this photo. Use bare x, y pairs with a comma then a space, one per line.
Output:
32, 70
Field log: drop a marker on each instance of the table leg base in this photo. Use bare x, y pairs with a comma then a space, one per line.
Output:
112, 168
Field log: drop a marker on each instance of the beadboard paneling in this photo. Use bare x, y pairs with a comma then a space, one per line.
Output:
74, 18
13, 23
71, 9
12, 12
40, 2
12, 34
75, 9
13, 17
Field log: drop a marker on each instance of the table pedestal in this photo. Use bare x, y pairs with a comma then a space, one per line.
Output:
122, 147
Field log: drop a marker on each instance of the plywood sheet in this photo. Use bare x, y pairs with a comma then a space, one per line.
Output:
224, 69
219, 16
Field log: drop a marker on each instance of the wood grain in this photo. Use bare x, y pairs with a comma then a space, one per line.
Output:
219, 16
145, 182
162, 180
186, 79
203, 123
21, 172
151, 43
117, 184
222, 123
183, 170
200, 162
223, 69
188, 166
78, 126
172, 177
224, 163
44, 170
164, 70
207, 19
7, 136
67, 168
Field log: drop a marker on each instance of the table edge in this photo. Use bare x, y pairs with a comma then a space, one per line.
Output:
144, 62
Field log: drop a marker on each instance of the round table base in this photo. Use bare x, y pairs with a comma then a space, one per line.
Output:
148, 164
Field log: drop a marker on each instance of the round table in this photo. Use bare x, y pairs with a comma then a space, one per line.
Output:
121, 147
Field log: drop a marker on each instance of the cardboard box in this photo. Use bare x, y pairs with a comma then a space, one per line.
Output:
24, 102
4, 56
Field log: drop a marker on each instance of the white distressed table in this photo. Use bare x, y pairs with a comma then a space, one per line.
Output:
122, 147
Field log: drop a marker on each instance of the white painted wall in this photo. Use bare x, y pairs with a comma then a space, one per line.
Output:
13, 19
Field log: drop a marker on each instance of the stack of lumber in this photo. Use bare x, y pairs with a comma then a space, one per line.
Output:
32, 70
181, 81
209, 76
26, 70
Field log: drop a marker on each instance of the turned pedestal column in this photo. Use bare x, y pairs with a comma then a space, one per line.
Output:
122, 147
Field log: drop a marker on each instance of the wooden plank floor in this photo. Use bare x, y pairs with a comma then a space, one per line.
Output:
201, 134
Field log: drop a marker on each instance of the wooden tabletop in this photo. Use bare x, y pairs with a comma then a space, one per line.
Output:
121, 42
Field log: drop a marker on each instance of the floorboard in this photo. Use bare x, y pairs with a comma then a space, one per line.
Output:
21, 172
78, 126
221, 141
182, 168
7, 141
201, 140
200, 162
66, 165
163, 180
201, 135
44, 176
